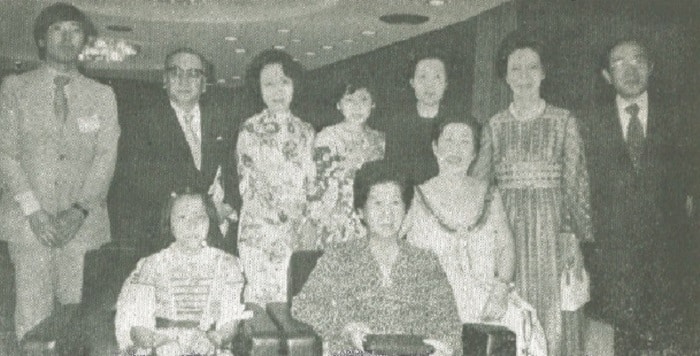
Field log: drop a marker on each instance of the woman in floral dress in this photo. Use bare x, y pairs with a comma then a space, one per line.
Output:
275, 168
534, 153
339, 152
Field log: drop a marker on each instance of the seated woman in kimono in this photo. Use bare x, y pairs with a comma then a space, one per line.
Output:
184, 299
379, 284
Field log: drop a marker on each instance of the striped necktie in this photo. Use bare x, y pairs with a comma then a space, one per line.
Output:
635, 135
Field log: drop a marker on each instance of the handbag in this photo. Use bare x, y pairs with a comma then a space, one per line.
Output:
575, 292
397, 344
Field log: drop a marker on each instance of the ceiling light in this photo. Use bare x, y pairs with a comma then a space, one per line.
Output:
437, 2
280, 47
236, 77
310, 54
239, 50
231, 38
105, 49
327, 47
296, 40
221, 81
283, 30
369, 33
348, 40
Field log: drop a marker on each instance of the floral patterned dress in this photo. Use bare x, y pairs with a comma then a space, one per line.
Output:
275, 169
539, 166
347, 286
189, 292
338, 154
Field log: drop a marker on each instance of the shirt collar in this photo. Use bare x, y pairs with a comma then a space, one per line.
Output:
53, 72
181, 113
642, 101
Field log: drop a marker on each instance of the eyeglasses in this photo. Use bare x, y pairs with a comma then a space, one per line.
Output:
177, 72
634, 62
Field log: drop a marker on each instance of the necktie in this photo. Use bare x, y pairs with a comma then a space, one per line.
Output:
195, 144
635, 135
60, 102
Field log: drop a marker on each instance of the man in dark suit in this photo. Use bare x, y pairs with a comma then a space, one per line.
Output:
176, 141
637, 196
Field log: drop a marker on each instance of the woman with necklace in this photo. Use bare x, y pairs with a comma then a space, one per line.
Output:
339, 151
379, 284
533, 152
463, 221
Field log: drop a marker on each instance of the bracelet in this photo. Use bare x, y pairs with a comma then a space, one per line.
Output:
79, 207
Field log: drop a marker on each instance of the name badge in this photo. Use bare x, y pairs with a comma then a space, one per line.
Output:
88, 124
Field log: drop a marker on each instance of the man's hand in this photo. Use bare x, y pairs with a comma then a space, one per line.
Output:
68, 222
43, 227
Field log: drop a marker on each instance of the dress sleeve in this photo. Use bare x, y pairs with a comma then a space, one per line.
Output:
231, 282
443, 324
576, 188
483, 167
136, 305
323, 301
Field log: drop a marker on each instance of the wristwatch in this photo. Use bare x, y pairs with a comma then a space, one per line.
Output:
80, 208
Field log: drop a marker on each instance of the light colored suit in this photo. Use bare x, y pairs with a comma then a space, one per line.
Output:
59, 163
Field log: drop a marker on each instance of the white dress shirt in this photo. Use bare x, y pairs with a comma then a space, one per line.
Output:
643, 102
192, 130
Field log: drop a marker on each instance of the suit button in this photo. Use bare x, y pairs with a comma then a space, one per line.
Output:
61, 157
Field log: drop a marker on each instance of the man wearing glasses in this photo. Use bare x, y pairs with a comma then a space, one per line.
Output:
58, 147
637, 195
179, 140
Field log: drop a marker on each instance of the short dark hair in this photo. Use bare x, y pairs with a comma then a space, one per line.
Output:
604, 61
206, 65
166, 231
439, 127
518, 40
290, 67
353, 84
377, 172
59, 12
427, 55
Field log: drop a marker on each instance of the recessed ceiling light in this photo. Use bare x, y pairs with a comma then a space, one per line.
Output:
295, 59
348, 40
296, 40
369, 33
236, 77
310, 54
283, 30
119, 28
231, 38
327, 47
437, 2
239, 50
221, 81
280, 47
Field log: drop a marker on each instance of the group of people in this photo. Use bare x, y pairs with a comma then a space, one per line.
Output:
427, 221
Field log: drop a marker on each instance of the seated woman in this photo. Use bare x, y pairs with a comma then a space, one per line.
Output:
184, 299
461, 219
379, 285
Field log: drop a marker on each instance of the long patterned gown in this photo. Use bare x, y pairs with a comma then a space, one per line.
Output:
539, 166
275, 168
338, 154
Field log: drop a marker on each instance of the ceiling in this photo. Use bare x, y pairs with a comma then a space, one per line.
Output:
230, 32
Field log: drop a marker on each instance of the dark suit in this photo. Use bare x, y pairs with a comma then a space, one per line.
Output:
155, 159
638, 215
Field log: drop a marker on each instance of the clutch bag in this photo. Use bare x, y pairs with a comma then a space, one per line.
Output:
397, 345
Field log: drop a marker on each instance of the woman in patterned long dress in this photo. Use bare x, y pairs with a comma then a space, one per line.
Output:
462, 220
339, 151
275, 168
534, 152
184, 299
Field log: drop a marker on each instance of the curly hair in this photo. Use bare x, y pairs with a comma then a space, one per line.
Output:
290, 67
377, 172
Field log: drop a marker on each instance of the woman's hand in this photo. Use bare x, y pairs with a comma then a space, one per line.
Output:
497, 304
441, 348
356, 333
200, 344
